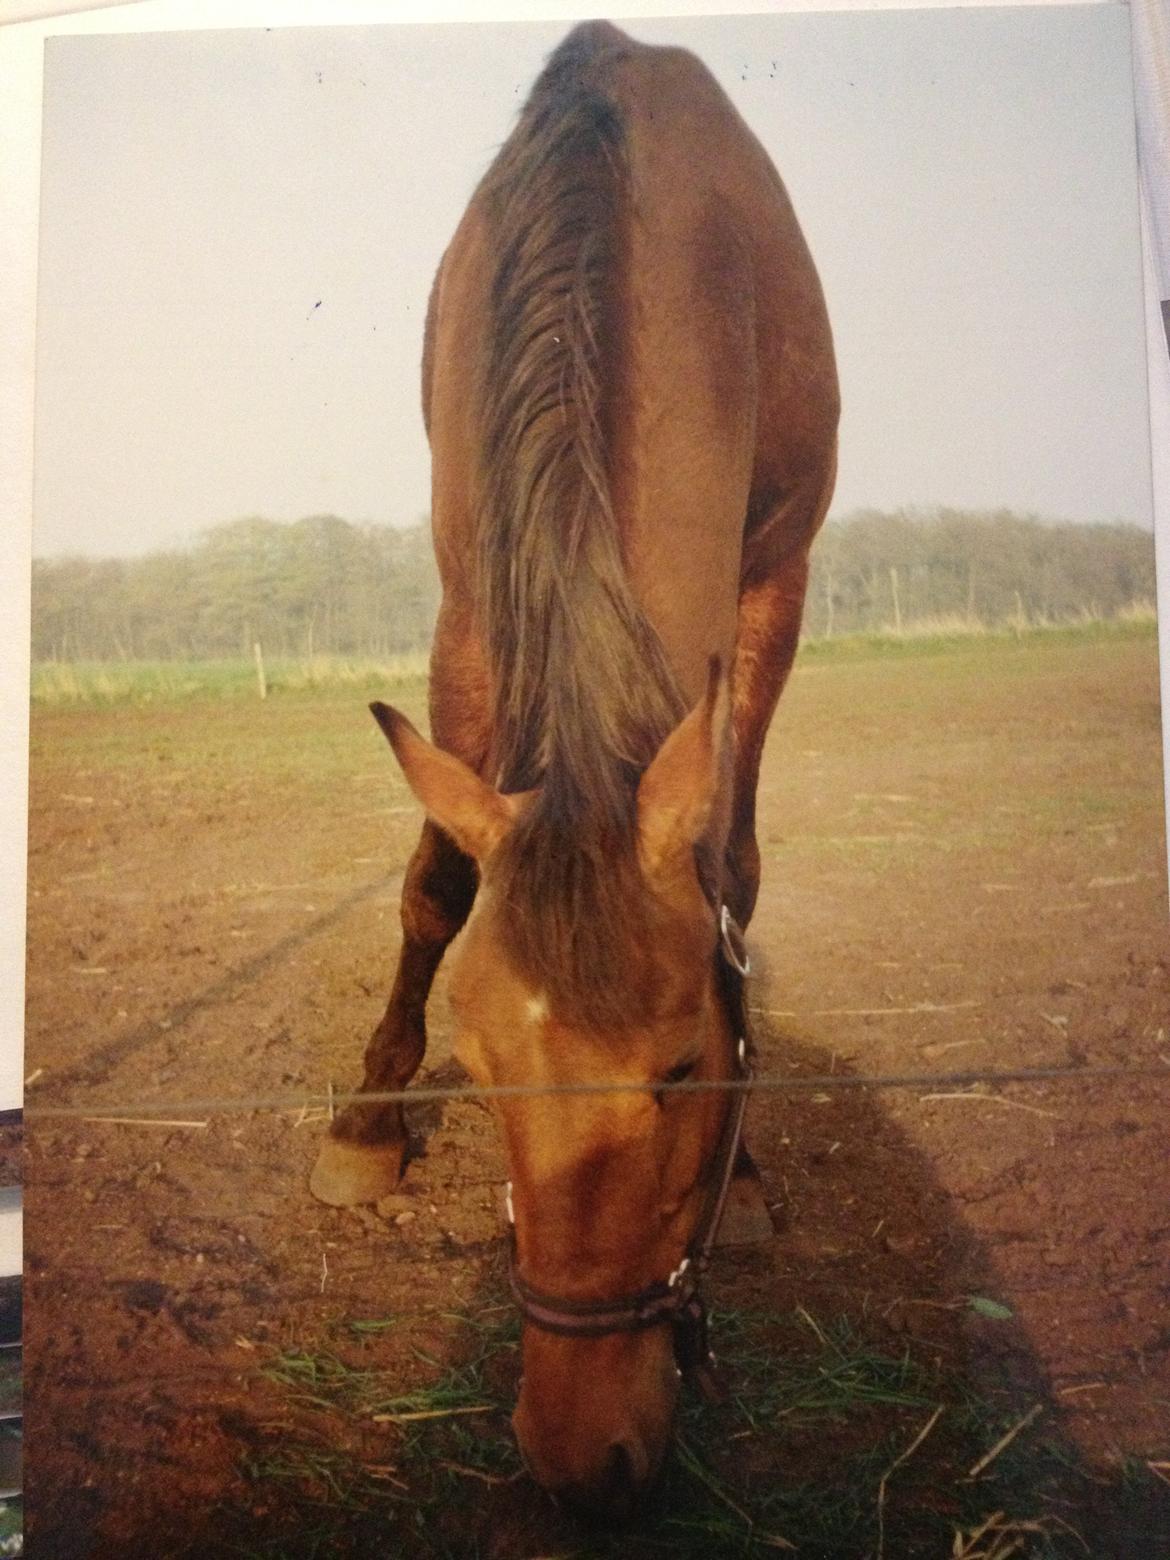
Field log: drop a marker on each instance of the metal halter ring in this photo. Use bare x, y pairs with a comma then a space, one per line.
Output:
734, 947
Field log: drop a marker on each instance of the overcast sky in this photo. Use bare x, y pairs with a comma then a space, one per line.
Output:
239, 231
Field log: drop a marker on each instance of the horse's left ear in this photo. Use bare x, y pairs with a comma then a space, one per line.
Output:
685, 795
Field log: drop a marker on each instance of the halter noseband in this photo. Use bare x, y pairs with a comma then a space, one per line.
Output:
677, 1299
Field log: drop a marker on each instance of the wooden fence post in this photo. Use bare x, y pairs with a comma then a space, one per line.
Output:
260, 677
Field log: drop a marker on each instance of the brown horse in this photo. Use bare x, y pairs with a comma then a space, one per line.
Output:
631, 399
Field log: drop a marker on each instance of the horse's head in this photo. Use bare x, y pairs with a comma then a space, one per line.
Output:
608, 1188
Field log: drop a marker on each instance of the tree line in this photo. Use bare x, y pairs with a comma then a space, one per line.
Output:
325, 586
319, 586
873, 571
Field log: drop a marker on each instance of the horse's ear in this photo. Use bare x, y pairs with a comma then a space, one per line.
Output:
685, 795
464, 806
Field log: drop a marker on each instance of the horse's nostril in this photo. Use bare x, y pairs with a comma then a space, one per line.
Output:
622, 1479
620, 1468
610, 1495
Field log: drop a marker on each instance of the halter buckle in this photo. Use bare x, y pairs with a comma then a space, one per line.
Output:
732, 941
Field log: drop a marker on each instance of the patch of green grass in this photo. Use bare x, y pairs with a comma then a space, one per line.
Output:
103, 683
326, 1381
932, 637
11, 1525
791, 1387
816, 1447
11, 1381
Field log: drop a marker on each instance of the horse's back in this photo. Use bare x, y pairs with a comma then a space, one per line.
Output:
725, 392
734, 392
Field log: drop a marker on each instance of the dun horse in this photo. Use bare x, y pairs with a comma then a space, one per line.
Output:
631, 400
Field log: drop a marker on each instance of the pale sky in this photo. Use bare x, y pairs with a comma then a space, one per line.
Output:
239, 230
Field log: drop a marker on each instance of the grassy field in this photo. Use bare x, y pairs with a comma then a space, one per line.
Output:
144, 682
67, 683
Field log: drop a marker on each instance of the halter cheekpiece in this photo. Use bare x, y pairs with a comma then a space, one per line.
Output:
675, 1299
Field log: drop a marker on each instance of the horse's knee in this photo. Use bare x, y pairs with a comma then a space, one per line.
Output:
399, 1043
439, 891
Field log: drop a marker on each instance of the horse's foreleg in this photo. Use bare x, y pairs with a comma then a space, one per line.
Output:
768, 632
767, 637
364, 1154
773, 582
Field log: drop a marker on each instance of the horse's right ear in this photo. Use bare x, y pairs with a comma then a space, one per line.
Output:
684, 796
464, 806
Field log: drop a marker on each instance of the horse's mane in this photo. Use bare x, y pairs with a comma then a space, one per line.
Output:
583, 694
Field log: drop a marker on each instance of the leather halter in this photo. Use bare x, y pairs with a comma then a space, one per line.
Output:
675, 1300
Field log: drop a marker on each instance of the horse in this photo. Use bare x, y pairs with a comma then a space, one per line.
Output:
631, 399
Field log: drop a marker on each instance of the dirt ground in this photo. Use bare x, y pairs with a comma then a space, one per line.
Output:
964, 871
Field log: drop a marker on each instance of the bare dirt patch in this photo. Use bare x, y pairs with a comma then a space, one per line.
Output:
964, 872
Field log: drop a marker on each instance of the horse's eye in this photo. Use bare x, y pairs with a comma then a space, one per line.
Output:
679, 1072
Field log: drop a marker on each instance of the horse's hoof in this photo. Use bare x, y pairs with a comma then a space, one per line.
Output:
746, 1220
350, 1173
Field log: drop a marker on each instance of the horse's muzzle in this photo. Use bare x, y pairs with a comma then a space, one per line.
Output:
611, 1497
593, 1418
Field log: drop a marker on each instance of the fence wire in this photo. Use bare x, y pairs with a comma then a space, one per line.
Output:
771, 1083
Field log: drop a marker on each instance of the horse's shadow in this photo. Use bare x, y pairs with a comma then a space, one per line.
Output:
874, 1288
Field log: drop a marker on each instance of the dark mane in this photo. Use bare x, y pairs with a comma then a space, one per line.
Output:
583, 695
